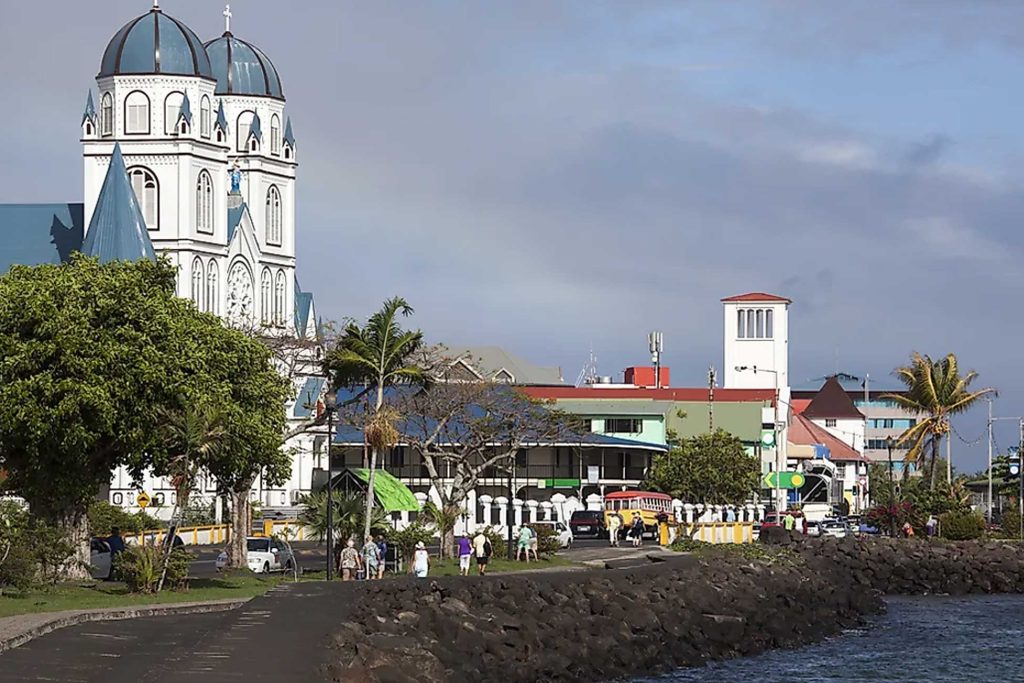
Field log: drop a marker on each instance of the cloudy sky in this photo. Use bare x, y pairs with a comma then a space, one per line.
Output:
555, 176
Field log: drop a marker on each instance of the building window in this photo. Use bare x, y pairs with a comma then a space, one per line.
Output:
769, 324
212, 288
147, 192
830, 422
172, 110
136, 114
275, 135
204, 117
741, 324
621, 425
107, 114
279, 298
759, 316
750, 324
273, 227
198, 282
242, 130
265, 301
754, 323
204, 203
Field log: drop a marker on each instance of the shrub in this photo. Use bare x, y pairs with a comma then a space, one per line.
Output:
198, 513
139, 567
499, 543
405, 540
1010, 522
547, 539
177, 569
51, 549
961, 526
687, 545
103, 517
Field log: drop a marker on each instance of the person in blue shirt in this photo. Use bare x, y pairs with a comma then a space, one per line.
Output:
115, 542
382, 546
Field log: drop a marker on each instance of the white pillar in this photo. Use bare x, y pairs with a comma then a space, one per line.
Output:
517, 511
501, 502
558, 502
471, 506
545, 506
531, 506
595, 502
688, 513
760, 512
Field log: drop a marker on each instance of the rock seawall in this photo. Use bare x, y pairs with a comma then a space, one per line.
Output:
602, 625
588, 626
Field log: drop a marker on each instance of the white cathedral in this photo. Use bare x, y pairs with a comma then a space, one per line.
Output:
188, 153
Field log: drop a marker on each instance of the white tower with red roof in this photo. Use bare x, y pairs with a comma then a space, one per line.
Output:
757, 342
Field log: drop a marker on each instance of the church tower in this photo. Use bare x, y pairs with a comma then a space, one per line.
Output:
156, 90
757, 342
261, 154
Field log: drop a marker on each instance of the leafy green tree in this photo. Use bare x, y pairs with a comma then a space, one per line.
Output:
713, 469
192, 433
374, 357
937, 389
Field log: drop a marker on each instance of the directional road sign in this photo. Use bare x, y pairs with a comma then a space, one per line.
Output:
783, 480
142, 499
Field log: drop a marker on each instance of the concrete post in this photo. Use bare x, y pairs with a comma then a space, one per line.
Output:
485, 502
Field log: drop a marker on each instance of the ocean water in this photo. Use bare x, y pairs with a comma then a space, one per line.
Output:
931, 640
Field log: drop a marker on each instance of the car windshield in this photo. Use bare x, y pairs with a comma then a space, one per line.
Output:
258, 545
584, 516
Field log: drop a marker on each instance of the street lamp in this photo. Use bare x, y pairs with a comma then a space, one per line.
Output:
330, 405
779, 445
889, 443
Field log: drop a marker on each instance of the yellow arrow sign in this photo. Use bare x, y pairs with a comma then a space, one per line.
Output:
142, 499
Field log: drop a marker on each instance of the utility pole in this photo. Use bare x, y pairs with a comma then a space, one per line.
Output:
656, 342
990, 503
711, 399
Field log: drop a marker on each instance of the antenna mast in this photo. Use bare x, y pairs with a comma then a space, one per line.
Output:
656, 342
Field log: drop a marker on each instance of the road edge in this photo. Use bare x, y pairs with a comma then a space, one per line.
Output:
59, 620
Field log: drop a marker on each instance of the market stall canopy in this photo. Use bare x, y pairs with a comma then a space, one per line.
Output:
390, 494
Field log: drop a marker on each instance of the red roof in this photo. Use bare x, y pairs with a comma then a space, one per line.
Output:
757, 296
806, 433
696, 395
800, 404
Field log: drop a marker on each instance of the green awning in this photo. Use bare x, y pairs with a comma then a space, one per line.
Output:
391, 494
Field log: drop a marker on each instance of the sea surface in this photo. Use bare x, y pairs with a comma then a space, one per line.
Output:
931, 639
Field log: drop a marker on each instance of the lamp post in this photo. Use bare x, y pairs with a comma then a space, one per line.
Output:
889, 443
330, 404
779, 445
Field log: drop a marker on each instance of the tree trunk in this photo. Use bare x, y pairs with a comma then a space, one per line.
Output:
373, 469
75, 526
935, 461
240, 525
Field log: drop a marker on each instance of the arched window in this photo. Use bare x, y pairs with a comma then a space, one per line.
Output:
204, 203
242, 130
136, 113
107, 114
760, 324
279, 297
750, 323
769, 324
273, 224
198, 282
172, 109
204, 117
741, 326
266, 311
275, 135
213, 288
147, 191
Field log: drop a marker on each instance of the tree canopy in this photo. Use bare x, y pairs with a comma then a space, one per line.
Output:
713, 469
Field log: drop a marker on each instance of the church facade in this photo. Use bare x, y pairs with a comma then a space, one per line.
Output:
188, 153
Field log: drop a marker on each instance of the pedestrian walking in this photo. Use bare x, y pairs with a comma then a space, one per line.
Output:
614, 526
523, 547
482, 549
931, 525
465, 554
382, 546
534, 544
371, 559
908, 530
420, 561
636, 530
350, 561
789, 521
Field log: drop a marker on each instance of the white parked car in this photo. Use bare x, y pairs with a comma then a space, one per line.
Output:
99, 558
264, 555
561, 530
836, 529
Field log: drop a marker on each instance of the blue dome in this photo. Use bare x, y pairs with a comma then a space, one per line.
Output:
155, 43
242, 69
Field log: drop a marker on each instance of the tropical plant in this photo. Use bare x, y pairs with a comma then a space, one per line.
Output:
192, 434
346, 517
961, 526
375, 357
443, 519
891, 518
139, 567
937, 390
405, 541
713, 469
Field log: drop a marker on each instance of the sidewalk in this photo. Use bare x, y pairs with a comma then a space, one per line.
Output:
20, 629
603, 556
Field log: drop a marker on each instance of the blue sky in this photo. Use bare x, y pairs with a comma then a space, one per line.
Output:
551, 176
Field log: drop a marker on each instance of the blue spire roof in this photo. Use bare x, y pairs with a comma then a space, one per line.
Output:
222, 120
234, 218
303, 304
256, 129
289, 137
186, 110
90, 109
117, 231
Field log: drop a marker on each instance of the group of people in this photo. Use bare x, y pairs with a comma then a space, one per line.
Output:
367, 564
527, 544
635, 532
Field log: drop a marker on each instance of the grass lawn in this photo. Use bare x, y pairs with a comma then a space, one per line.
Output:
114, 594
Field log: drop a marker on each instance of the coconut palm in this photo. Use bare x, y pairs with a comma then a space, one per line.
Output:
190, 436
937, 390
346, 517
444, 519
374, 357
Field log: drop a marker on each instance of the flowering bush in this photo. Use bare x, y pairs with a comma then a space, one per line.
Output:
887, 517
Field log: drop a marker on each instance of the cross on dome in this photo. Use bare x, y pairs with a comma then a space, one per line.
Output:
227, 18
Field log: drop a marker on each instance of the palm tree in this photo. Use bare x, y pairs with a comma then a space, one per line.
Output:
347, 517
444, 518
375, 357
937, 390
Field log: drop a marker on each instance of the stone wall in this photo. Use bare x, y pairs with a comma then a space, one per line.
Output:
603, 625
